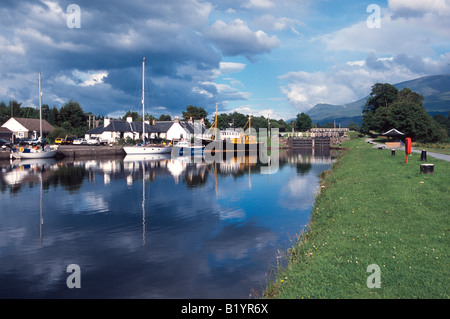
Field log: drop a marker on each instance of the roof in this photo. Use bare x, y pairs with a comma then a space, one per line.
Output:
96, 130
34, 124
158, 127
192, 127
393, 132
162, 126
5, 130
122, 126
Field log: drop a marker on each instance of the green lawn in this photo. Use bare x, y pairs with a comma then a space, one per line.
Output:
373, 209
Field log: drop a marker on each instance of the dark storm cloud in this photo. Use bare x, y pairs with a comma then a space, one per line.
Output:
114, 37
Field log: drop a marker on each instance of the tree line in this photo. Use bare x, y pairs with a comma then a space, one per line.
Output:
70, 119
386, 108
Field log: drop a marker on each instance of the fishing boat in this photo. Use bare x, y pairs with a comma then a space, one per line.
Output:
145, 148
231, 140
186, 148
39, 151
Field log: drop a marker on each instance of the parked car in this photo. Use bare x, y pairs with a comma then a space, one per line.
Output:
59, 140
4, 143
69, 140
79, 141
93, 141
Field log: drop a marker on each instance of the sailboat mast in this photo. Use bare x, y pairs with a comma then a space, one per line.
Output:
143, 105
40, 108
215, 124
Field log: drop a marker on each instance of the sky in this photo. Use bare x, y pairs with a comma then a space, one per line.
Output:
259, 57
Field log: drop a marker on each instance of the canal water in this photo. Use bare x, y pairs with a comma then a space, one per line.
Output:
151, 228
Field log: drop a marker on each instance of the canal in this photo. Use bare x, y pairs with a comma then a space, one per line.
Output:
151, 228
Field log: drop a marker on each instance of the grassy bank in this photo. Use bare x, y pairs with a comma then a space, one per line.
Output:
373, 209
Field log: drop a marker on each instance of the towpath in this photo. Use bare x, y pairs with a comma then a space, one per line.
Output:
432, 154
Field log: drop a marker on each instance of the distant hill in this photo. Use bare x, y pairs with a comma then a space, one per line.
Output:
435, 89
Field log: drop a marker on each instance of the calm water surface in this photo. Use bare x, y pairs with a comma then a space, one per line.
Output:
159, 228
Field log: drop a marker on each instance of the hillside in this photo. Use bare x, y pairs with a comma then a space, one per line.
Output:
435, 89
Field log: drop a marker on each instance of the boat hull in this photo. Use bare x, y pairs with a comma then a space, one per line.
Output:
188, 150
35, 155
141, 150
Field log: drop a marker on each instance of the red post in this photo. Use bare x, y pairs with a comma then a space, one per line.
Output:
407, 148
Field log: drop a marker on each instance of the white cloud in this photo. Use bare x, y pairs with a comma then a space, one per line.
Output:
226, 92
258, 4
353, 80
83, 78
415, 35
236, 38
269, 22
90, 78
304, 90
440, 7
14, 46
231, 67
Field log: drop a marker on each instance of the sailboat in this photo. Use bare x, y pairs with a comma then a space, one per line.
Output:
146, 148
37, 151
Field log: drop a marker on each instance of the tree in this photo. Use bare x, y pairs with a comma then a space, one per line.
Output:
73, 114
4, 114
54, 118
443, 121
134, 115
148, 117
406, 95
354, 127
194, 112
14, 108
29, 112
164, 117
57, 132
303, 122
381, 95
411, 119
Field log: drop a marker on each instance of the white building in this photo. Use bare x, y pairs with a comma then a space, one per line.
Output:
27, 128
114, 130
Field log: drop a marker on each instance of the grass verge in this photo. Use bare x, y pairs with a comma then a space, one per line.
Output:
373, 209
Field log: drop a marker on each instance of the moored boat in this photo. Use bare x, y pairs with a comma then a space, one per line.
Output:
186, 148
231, 140
37, 151
146, 148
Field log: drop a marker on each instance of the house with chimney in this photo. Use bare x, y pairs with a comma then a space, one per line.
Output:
113, 130
25, 128
177, 130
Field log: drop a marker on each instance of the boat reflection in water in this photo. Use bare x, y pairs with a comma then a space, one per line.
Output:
151, 226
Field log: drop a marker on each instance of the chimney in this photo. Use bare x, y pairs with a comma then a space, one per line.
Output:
129, 119
154, 122
106, 122
176, 119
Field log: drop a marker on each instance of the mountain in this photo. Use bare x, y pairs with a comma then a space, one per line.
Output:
435, 89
